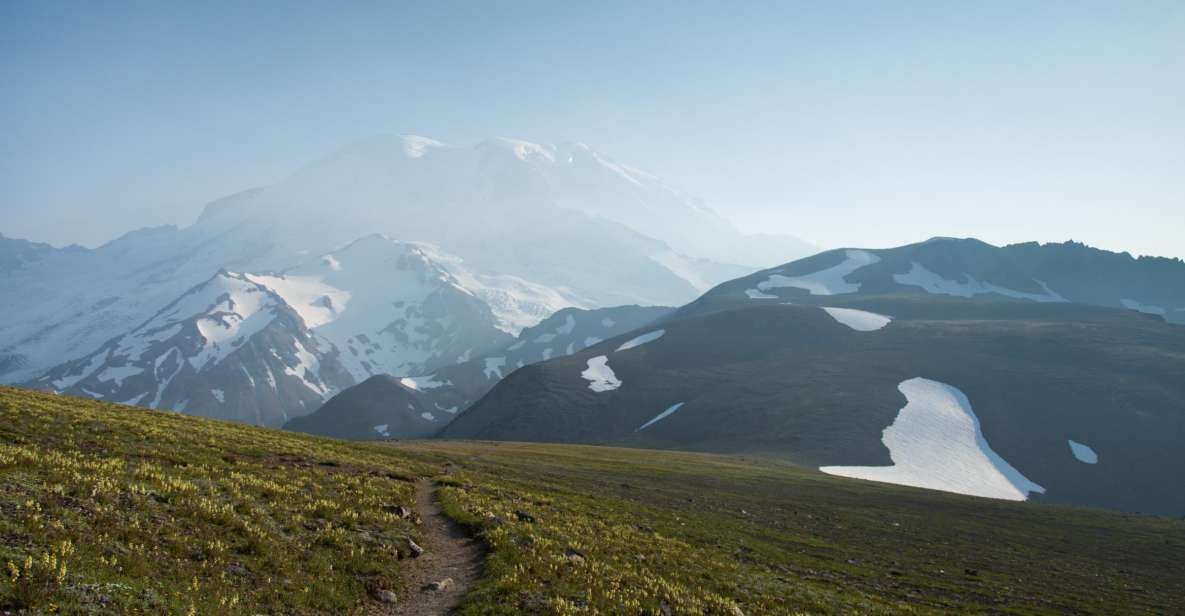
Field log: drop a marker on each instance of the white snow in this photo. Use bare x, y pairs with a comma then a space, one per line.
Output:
382, 430
660, 416
547, 354
859, 320
591, 340
428, 416
1132, 304
544, 338
568, 326
830, 281
422, 383
516, 346
494, 367
570, 349
306, 367
332, 262
919, 276
118, 373
1083, 453
936, 443
755, 294
219, 395
607, 322
643, 339
464, 357
599, 375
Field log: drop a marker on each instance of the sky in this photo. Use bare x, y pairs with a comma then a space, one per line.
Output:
867, 124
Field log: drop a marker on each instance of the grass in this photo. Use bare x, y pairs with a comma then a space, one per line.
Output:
107, 509
707, 534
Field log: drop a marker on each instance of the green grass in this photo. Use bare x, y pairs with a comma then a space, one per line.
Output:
111, 509
705, 533
107, 509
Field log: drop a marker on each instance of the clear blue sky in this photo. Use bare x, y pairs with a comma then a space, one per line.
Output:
862, 123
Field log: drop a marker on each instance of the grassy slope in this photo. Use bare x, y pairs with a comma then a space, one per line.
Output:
707, 533
172, 514
161, 513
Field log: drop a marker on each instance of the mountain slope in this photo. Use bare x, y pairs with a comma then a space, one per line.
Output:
418, 406
263, 348
1007, 384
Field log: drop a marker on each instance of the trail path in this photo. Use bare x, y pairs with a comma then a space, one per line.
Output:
449, 552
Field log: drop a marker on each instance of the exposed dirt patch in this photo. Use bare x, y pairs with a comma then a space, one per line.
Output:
450, 553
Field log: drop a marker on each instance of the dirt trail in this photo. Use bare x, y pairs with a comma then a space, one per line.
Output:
449, 552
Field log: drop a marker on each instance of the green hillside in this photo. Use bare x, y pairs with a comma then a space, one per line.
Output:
115, 510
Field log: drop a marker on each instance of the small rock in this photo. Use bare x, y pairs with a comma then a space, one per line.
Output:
439, 586
971, 571
736, 611
524, 517
387, 596
398, 510
416, 550
574, 556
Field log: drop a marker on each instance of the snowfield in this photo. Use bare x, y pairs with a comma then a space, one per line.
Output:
936, 443
1132, 304
599, 375
859, 320
1083, 453
919, 276
831, 281
643, 339
659, 417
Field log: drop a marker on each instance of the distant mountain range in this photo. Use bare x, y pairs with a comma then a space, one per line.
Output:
398, 255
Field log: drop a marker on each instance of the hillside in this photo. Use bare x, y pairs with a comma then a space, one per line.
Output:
115, 510
977, 380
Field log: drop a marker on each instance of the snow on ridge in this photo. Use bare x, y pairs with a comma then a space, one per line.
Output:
1132, 304
659, 417
859, 320
599, 375
1083, 453
640, 340
919, 276
936, 443
755, 294
382, 430
422, 383
830, 281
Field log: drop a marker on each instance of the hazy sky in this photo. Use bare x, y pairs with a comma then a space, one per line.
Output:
861, 124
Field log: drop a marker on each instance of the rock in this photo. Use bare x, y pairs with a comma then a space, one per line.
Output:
398, 510
439, 586
736, 611
386, 596
664, 609
524, 517
971, 571
416, 550
574, 556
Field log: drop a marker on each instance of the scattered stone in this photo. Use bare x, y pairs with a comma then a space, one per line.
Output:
439, 586
574, 556
523, 516
399, 510
416, 550
387, 596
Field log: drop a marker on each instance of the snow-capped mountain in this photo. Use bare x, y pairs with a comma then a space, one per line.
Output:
265, 347
537, 227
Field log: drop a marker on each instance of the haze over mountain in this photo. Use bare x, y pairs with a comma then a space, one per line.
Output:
479, 243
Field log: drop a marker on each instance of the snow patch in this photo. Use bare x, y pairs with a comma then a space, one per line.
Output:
607, 322
919, 276
567, 327
591, 340
859, 320
599, 375
643, 339
830, 281
422, 383
1083, 453
428, 416
219, 395
660, 416
936, 442
755, 294
494, 367
1132, 304
382, 430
